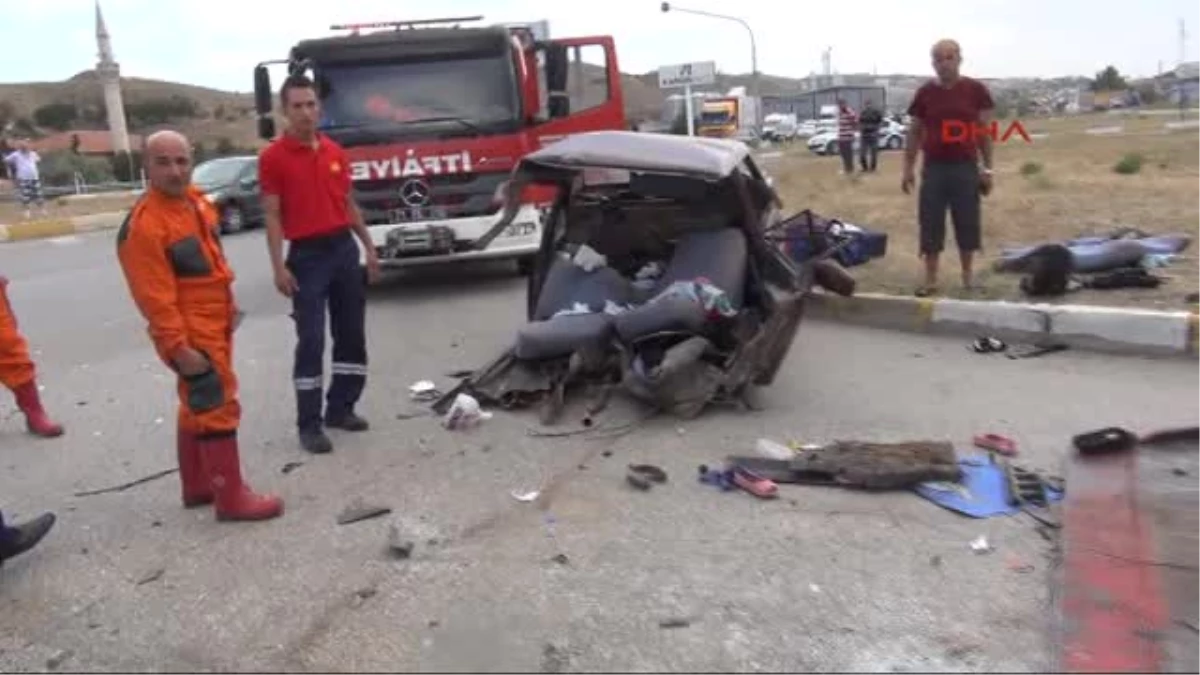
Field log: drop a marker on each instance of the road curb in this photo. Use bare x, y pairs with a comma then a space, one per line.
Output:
1108, 329
45, 228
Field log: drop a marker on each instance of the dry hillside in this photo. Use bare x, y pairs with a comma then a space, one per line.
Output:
229, 115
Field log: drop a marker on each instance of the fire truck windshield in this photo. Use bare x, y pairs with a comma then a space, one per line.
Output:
472, 92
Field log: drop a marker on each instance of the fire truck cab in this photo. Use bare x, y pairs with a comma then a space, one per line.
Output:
434, 115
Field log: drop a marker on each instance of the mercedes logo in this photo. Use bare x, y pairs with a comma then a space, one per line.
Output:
415, 193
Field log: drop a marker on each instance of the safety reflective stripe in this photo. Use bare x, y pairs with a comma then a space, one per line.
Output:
348, 369
308, 383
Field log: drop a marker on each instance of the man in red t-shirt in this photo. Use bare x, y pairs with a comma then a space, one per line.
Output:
952, 177
305, 182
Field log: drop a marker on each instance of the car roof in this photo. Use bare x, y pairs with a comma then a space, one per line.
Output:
707, 158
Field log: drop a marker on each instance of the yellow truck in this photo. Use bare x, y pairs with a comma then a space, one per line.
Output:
719, 117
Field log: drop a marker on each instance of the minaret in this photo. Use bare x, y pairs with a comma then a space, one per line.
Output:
110, 79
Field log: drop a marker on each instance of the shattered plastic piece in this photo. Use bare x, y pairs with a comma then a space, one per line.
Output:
525, 496
981, 545
423, 391
675, 622
357, 512
398, 546
464, 412
771, 449
590, 260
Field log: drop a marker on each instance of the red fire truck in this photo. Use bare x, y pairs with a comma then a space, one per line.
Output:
434, 115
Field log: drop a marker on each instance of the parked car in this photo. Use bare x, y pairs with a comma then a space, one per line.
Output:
891, 137
231, 184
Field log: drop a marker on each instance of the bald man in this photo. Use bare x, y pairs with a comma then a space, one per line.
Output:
171, 256
956, 172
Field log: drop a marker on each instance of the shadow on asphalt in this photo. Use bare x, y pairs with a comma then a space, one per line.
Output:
437, 281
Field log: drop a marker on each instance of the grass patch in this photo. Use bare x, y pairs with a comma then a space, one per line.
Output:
1084, 194
1130, 164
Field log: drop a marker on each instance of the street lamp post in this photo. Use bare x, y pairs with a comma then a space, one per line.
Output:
754, 83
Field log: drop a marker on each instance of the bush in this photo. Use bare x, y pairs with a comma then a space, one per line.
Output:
161, 110
1129, 164
60, 167
1031, 168
126, 169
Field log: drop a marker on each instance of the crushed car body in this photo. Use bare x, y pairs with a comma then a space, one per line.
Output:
656, 274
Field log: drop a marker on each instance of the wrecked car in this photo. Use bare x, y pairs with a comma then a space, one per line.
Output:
656, 274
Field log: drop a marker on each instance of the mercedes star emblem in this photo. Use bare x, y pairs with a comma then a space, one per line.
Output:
415, 193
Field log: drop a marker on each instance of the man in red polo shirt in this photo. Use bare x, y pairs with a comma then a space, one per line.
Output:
951, 176
305, 182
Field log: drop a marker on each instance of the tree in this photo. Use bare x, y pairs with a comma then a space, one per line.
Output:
60, 168
7, 115
1109, 79
126, 168
75, 143
57, 116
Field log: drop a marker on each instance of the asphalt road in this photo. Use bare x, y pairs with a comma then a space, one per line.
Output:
821, 579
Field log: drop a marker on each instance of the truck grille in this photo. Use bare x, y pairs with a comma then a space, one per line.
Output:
450, 196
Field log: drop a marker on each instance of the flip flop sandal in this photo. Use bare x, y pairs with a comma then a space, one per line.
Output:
988, 345
754, 484
644, 476
996, 443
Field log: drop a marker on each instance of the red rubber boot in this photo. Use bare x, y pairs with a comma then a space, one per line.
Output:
36, 420
234, 499
194, 481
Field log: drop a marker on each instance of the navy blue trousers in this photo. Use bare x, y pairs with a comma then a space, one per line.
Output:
331, 280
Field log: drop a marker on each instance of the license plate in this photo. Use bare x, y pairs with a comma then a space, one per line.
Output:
402, 241
416, 214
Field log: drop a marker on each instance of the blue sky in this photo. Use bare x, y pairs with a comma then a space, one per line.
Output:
216, 42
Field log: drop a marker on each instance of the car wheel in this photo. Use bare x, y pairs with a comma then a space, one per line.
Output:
232, 219
831, 148
893, 143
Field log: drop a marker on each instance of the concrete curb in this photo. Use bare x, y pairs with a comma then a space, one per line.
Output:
1108, 329
58, 227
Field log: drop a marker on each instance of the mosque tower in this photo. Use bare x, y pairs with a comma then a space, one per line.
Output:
110, 79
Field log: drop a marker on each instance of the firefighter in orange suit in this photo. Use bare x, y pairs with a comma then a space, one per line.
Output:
178, 276
18, 373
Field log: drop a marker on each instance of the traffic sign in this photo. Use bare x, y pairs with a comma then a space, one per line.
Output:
699, 74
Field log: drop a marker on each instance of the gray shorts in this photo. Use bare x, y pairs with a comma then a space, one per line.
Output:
952, 186
30, 191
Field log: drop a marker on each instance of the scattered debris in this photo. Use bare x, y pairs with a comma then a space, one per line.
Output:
772, 450
359, 511
1019, 566
290, 467
424, 391
156, 523
59, 657
1034, 351
411, 414
935, 561
398, 546
465, 412
362, 595
561, 559
644, 476
125, 486
996, 443
554, 659
988, 345
860, 464
814, 588
459, 374
151, 576
1188, 624
1179, 472
675, 622
525, 496
751, 482
981, 545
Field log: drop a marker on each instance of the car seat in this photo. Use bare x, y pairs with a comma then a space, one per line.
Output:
551, 335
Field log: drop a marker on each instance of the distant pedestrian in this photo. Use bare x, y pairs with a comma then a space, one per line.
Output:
19, 538
869, 122
847, 130
305, 182
23, 167
952, 177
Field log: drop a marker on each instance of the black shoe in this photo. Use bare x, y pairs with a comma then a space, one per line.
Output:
18, 539
316, 442
347, 422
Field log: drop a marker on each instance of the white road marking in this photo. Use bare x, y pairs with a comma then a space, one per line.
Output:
64, 240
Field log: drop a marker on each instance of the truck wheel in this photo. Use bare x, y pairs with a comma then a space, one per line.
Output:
525, 265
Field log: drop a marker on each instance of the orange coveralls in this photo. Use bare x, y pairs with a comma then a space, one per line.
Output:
173, 262
16, 368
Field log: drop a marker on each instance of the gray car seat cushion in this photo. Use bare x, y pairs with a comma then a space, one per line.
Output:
717, 255
671, 313
563, 335
568, 284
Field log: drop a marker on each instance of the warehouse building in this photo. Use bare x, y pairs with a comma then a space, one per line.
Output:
806, 106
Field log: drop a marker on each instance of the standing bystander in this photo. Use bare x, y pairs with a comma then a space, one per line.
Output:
847, 130
23, 167
869, 121
952, 177
305, 179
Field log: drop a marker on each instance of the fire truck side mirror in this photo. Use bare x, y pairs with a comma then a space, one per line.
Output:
558, 104
262, 90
